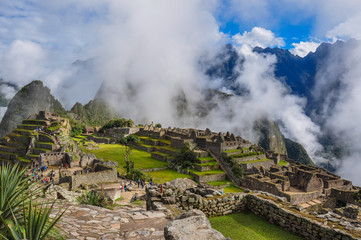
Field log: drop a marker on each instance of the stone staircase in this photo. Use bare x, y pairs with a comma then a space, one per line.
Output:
207, 170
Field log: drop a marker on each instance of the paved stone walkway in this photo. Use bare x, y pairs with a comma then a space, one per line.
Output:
87, 222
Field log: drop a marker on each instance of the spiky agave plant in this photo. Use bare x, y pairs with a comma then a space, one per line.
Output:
15, 190
35, 225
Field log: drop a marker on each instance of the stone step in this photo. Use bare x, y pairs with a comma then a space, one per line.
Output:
38, 151
206, 159
23, 132
23, 140
204, 167
46, 145
209, 176
170, 151
28, 126
146, 148
35, 122
8, 156
10, 149
161, 156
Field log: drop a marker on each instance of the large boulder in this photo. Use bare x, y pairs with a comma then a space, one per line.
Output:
182, 183
191, 225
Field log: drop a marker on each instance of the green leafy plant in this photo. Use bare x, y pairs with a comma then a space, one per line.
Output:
94, 198
120, 122
19, 218
35, 223
185, 158
14, 191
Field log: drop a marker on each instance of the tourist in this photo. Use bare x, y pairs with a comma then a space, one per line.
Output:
138, 182
143, 183
125, 188
121, 188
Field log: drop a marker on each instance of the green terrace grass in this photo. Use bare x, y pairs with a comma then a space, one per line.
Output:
208, 163
241, 155
163, 154
247, 226
217, 171
48, 143
167, 175
169, 148
258, 160
115, 152
282, 163
233, 150
232, 189
220, 183
203, 159
145, 145
23, 159
154, 139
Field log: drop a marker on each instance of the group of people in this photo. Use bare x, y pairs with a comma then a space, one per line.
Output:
38, 175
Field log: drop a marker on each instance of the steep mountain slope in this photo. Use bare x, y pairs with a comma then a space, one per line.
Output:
32, 98
95, 113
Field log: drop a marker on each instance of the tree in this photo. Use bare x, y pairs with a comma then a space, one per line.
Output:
185, 158
158, 125
129, 164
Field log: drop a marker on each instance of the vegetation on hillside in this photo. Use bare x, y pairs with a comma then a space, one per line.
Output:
185, 159
297, 152
119, 122
95, 113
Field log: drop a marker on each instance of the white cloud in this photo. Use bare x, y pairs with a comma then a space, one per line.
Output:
303, 48
258, 37
349, 28
22, 61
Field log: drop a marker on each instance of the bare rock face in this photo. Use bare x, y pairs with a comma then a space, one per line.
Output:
32, 98
191, 225
183, 183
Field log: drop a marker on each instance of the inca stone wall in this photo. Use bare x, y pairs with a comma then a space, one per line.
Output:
214, 204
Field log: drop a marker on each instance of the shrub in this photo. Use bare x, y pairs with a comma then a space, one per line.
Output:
120, 122
186, 158
94, 198
238, 170
158, 125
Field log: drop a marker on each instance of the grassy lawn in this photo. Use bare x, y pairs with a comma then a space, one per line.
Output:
219, 183
115, 152
258, 160
167, 175
247, 226
232, 189
206, 173
203, 159
282, 163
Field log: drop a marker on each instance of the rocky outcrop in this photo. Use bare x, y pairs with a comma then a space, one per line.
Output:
191, 225
182, 183
32, 98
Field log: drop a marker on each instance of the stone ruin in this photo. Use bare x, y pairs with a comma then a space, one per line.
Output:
297, 183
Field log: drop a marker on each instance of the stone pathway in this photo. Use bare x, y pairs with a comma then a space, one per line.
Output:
87, 222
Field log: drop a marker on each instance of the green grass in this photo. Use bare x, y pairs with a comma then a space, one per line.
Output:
258, 160
233, 150
208, 163
138, 202
204, 159
115, 152
220, 183
167, 175
247, 226
282, 163
232, 189
217, 171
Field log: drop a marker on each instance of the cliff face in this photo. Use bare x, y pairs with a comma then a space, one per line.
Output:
32, 98
270, 136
